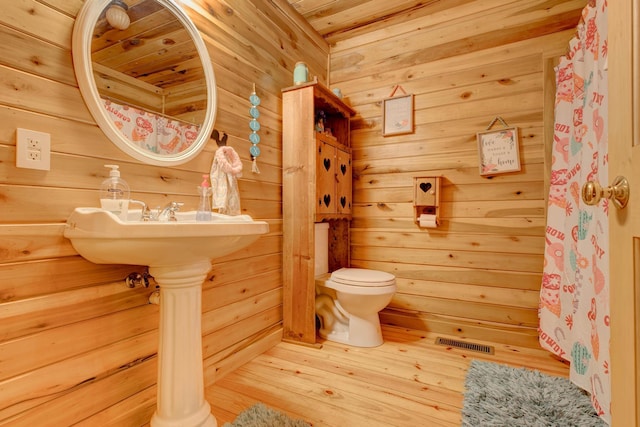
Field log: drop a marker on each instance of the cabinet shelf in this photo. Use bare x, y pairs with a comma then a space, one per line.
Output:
317, 181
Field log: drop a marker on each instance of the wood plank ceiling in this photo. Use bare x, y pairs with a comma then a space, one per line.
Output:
336, 20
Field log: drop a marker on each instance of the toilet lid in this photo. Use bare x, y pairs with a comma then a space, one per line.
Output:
362, 277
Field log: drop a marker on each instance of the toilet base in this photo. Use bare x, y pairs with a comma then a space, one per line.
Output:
362, 332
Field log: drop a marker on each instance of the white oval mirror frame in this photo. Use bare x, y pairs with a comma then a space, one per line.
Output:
82, 64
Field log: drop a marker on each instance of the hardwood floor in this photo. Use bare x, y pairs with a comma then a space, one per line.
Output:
408, 381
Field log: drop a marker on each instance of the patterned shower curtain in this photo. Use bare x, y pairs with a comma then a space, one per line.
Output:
152, 132
574, 297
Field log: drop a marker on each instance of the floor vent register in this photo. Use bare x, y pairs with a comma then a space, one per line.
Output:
481, 348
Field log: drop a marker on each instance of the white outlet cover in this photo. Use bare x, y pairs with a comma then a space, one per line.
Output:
28, 141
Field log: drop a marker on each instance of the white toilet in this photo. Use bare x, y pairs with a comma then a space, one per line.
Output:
348, 302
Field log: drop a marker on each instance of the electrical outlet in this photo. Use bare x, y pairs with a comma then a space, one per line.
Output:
33, 149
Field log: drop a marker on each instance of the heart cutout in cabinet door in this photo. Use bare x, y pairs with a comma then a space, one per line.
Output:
343, 168
327, 163
327, 200
343, 201
425, 186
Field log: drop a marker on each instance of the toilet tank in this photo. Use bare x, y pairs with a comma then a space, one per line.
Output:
321, 248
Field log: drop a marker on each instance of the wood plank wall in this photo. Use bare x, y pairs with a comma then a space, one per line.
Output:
77, 345
466, 62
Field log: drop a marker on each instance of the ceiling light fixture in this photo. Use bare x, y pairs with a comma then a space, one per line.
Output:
117, 15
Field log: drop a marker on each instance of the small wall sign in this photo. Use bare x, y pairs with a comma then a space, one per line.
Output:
397, 113
498, 150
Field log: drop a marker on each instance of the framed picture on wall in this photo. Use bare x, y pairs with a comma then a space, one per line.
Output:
498, 151
397, 115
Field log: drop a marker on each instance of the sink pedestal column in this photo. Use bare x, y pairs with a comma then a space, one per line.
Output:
181, 400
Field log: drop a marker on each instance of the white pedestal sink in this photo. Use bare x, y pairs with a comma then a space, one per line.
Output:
179, 258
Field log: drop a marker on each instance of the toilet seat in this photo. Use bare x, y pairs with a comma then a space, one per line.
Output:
362, 277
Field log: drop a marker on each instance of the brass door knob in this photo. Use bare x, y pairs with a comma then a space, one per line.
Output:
618, 192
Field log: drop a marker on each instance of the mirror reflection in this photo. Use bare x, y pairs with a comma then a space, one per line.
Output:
145, 75
149, 76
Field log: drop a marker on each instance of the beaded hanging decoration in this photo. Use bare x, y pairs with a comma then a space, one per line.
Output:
254, 125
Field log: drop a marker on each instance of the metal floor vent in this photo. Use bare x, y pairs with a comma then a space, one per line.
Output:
481, 348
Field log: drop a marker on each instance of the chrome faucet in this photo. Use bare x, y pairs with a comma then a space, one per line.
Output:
145, 215
168, 213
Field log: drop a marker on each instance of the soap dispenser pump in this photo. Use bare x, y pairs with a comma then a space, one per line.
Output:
114, 193
204, 207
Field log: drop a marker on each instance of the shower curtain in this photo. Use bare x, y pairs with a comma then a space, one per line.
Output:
574, 297
150, 131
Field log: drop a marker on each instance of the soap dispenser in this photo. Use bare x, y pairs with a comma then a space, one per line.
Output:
114, 193
204, 207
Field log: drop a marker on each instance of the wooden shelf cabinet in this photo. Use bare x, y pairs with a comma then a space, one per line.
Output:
316, 186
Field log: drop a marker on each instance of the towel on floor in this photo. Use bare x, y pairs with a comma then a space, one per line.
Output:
225, 171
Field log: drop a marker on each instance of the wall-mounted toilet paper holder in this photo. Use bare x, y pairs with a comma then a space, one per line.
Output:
426, 200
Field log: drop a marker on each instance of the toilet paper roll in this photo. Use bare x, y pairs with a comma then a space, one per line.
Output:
428, 221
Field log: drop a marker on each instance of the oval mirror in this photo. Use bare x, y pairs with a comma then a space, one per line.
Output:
145, 74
